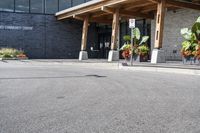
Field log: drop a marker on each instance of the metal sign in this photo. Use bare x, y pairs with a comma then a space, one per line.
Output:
131, 23
132, 26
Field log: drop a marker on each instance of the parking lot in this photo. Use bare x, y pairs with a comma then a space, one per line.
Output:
53, 97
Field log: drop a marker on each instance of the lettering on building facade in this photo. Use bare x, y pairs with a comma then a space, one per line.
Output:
5, 27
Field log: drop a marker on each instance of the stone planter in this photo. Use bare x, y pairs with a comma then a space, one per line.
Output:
191, 60
22, 57
140, 58
19, 58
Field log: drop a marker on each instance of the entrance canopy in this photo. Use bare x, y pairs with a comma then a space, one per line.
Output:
102, 10
112, 11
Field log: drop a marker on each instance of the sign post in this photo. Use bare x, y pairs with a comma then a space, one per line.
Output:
131, 26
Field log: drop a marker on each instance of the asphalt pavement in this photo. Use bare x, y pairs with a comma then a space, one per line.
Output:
74, 98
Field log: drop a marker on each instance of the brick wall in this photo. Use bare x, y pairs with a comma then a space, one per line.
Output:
48, 37
174, 21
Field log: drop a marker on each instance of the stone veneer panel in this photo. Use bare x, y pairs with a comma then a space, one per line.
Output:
174, 21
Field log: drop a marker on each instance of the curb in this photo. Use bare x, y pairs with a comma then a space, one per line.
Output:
162, 69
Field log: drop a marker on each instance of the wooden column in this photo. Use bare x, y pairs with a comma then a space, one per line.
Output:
84, 33
160, 24
115, 27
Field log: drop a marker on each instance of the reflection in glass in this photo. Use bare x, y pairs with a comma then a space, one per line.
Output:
64, 4
51, 6
78, 2
7, 5
37, 6
21, 5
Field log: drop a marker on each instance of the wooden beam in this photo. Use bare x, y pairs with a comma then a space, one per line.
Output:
160, 24
196, 1
180, 4
115, 27
99, 14
135, 14
155, 1
78, 17
107, 9
137, 4
150, 8
84, 33
123, 12
90, 8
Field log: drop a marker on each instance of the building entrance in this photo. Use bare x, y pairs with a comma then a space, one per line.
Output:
104, 44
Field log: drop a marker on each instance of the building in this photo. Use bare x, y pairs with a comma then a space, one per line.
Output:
32, 25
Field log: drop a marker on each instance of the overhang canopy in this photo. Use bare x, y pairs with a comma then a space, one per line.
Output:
102, 10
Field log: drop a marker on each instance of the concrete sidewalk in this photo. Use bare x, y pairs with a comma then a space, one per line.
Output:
169, 67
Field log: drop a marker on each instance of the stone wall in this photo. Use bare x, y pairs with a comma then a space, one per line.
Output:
42, 36
174, 21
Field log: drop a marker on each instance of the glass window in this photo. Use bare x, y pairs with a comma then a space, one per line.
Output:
51, 6
77, 2
37, 6
21, 5
64, 4
7, 5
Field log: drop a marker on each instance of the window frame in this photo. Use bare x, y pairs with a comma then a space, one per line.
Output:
43, 10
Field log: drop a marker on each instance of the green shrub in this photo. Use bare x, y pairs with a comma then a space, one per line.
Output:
127, 38
143, 50
10, 52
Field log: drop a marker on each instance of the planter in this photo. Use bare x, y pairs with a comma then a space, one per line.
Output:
140, 58
191, 60
8, 58
22, 58
18, 58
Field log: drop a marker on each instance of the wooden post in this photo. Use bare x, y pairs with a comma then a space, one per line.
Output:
84, 33
115, 27
160, 24
158, 55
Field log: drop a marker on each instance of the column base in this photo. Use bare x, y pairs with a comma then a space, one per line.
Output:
113, 55
83, 55
158, 56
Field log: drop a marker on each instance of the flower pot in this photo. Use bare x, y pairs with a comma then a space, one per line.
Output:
140, 58
22, 57
191, 60
143, 58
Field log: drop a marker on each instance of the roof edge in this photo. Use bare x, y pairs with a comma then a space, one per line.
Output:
89, 3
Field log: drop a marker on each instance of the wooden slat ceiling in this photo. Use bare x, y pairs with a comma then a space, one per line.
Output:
101, 10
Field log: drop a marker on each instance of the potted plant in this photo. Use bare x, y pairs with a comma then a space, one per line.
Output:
139, 50
191, 45
126, 51
143, 52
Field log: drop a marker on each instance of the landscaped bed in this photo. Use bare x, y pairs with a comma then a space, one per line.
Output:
12, 54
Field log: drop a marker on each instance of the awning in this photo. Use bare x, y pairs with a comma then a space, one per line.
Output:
102, 10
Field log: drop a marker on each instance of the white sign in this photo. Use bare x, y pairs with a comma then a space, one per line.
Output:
131, 23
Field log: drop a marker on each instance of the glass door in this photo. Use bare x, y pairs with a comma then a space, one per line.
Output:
104, 45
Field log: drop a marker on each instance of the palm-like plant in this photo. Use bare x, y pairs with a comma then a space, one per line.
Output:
191, 45
139, 44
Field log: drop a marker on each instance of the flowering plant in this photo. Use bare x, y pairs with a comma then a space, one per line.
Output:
139, 47
191, 44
